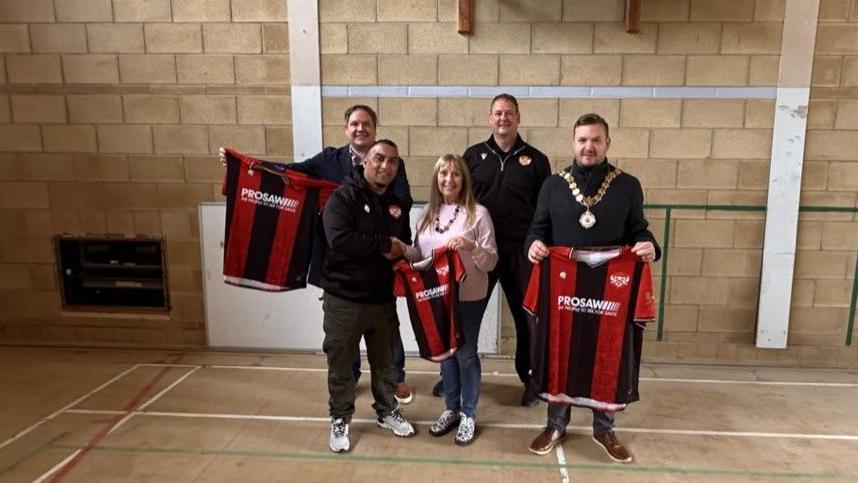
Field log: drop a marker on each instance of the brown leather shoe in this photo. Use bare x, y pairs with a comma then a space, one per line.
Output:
615, 449
547, 440
403, 393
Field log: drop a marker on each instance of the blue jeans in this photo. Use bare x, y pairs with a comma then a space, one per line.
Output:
398, 359
560, 414
461, 373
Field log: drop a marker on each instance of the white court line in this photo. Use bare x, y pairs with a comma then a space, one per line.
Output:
57, 467
578, 429
758, 383
63, 409
508, 374
561, 460
130, 414
168, 388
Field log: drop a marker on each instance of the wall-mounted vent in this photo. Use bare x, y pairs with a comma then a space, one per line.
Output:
111, 274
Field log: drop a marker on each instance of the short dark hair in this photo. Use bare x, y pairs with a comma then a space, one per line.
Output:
361, 107
387, 142
591, 118
507, 97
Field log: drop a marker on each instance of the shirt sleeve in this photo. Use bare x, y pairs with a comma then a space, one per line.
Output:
338, 219
540, 227
637, 227
485, 254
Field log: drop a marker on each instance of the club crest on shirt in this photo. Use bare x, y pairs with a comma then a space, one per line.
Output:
524, 160
620, 280
442, 270
395, 211
563, 275
483, 156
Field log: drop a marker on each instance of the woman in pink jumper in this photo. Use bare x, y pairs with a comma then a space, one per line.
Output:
452, 218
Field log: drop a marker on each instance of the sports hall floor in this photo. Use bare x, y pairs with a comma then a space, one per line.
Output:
109, 415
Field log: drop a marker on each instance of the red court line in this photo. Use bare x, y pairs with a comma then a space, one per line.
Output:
131, 406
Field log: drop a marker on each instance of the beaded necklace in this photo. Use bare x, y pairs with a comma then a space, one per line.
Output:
443, 229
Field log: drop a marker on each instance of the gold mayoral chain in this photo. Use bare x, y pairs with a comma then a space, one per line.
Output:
588, 219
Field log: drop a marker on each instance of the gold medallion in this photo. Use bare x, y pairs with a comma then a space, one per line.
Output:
587, 219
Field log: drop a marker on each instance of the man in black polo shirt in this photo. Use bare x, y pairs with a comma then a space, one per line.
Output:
507, 174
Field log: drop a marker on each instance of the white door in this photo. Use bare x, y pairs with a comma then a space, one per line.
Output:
239, 317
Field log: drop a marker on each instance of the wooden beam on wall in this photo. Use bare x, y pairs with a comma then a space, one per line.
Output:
633, 16
464, 12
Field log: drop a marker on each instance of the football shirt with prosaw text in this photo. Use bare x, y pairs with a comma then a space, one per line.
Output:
271, 216
590, 308
431, 288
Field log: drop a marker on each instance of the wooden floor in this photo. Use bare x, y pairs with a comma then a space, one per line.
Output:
108, 415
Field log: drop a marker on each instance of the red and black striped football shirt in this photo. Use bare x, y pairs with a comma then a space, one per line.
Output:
271, 215
431, 288
590, 311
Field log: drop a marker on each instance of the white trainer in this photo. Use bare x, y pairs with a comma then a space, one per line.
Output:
397, 423
339, 436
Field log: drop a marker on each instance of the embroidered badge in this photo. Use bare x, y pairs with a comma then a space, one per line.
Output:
620, 280
395, 211
524, 160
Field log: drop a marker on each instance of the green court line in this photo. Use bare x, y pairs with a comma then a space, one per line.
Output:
49, 444
463, 462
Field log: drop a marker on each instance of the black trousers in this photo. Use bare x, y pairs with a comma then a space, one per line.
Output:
345, 322
513, 273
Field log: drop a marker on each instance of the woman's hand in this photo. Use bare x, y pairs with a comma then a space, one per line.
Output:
460, 243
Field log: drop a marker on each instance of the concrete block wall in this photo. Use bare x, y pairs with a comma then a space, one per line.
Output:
111, 112
700, 151
128, 100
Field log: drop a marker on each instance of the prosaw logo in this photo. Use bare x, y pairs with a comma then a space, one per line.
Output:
588, 306
267, 199
431, 293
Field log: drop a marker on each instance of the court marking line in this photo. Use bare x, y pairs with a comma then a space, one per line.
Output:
168, 388
507, 374
12, 467
351, 457
64, 467
154, 398
57, 467
581, 429
561, 462
63, 409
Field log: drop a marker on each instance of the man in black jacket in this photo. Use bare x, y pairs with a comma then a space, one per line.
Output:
366, 229
507, 174
335, 164
590, 203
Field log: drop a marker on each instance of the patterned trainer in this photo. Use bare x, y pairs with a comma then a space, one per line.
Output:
444, 423
467, 428
397, 423
339, 436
